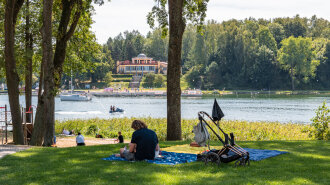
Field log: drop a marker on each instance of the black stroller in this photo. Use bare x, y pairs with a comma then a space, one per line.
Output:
230, 151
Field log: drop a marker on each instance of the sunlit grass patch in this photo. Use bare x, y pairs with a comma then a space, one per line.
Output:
307, 162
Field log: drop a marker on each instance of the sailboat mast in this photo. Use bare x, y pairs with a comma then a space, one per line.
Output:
72, 86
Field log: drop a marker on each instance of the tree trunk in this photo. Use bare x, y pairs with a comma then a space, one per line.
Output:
39, 127
176, 28
12, 9
28, 65
45, 111
52, 70
292, 79
48, 107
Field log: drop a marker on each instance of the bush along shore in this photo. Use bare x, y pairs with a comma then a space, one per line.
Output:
243, 130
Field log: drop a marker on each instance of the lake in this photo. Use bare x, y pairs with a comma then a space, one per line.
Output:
295, 109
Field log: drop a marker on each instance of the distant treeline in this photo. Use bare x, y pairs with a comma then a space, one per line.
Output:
282, 53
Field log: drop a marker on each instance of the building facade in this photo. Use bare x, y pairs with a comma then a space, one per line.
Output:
141, 65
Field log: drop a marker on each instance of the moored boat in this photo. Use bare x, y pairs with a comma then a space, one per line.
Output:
75, 97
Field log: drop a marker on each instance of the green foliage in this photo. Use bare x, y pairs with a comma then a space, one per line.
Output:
194, 11
240, 54
320, 123
263, 68
193, 78
296, 55
92, 130
296, 27
121, 79
153, 80
156, 46
122, 75
159, 81
243, 130
108, 78
148, 80
266, 38
277, 31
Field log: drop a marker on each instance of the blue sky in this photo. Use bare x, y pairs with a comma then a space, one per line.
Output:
121, 15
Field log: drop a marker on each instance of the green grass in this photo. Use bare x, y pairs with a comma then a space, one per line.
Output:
308, 162
243, 130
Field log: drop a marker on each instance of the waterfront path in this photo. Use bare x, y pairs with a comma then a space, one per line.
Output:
10, 149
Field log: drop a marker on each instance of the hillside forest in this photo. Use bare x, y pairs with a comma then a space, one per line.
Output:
277, 54
282, 53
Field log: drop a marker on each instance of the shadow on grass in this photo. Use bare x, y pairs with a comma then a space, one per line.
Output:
308, 162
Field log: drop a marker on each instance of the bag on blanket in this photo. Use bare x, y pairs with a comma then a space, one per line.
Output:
201, 134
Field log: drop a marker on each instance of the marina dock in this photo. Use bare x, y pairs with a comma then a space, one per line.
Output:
136, 94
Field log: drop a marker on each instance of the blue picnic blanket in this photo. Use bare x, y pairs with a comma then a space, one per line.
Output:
258, 155
172, 158
169, 158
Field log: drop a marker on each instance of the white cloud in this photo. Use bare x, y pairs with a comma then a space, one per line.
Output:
121, 15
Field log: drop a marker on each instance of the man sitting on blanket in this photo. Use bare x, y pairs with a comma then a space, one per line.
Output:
143, 145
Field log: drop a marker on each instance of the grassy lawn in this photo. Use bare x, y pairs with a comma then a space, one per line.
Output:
308, 162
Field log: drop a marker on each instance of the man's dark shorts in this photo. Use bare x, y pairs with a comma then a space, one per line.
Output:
128, 155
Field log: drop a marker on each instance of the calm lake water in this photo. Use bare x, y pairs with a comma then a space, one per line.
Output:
282, 109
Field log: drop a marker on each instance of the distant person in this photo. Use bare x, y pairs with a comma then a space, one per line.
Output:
111, 108
144, 143
120, 138
65, 132
80, 140
71, 132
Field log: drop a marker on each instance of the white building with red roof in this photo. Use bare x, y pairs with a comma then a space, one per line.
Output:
140, 65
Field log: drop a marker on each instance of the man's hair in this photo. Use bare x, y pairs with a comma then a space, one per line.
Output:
138, 124
119, 132
79, 133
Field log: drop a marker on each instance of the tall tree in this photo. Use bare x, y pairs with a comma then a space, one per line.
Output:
266, 38
295, 27
296, 55
52, 73
12, 9
263, 68
156, 46
44, 106
278, 32
176, 28
322, 46
179, 12
28, 58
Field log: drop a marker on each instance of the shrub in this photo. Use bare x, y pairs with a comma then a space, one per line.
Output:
122, 75
159, 81
92, 130
108, 78
148, 80
243, 130
320, 123
193, 77
153, 80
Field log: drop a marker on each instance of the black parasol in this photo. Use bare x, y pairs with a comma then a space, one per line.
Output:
217, 113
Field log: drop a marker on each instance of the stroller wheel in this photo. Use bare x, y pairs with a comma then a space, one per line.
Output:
241, 162
212, 157
236, 163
